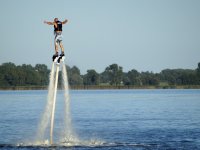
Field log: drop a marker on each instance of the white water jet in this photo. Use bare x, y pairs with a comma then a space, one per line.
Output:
54, 103
40, 136
47, 120
68, 134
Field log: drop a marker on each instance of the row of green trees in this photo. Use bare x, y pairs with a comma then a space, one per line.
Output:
113, 75
24, 75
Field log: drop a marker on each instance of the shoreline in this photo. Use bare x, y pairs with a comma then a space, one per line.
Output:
100, 87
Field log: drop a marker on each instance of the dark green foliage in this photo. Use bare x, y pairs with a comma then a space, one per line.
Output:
12, 75
115, 74
74, 76
198, 70
134, 77
149, 78
180, 76
91, 78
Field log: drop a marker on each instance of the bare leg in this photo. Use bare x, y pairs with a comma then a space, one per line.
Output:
62, 48
56, 47
56, 51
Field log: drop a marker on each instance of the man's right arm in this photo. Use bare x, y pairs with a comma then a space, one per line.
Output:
49, 23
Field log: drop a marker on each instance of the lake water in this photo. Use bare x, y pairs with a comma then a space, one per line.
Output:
107, 119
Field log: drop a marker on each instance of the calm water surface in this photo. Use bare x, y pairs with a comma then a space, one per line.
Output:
121, 119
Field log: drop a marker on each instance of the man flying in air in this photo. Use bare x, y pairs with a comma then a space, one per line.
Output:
58, 36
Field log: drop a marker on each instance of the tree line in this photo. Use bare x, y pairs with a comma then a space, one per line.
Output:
113, 75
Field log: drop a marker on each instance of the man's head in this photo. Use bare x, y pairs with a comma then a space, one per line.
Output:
55, 19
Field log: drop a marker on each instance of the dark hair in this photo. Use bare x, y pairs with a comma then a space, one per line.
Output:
55, 19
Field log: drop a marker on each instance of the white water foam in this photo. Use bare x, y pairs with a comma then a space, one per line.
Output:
54, 104
69, 133
40, 136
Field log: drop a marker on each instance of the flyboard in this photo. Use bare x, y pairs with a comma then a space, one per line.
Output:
56, 60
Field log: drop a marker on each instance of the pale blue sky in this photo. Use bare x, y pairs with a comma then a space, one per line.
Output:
146, 35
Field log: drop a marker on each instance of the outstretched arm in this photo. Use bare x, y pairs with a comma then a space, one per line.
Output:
65, 21
49, 23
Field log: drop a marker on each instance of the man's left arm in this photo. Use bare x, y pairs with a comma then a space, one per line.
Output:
65, 21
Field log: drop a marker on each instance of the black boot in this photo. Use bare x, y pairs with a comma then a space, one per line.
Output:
60, 57
62, 54
54, 56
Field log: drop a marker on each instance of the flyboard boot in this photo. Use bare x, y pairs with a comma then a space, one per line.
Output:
61, 58
55, 57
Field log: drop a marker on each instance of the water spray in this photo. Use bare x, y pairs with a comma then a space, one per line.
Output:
49, 113
54, 103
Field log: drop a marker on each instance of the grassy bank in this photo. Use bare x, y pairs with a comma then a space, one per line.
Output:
96, 87
24, 88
